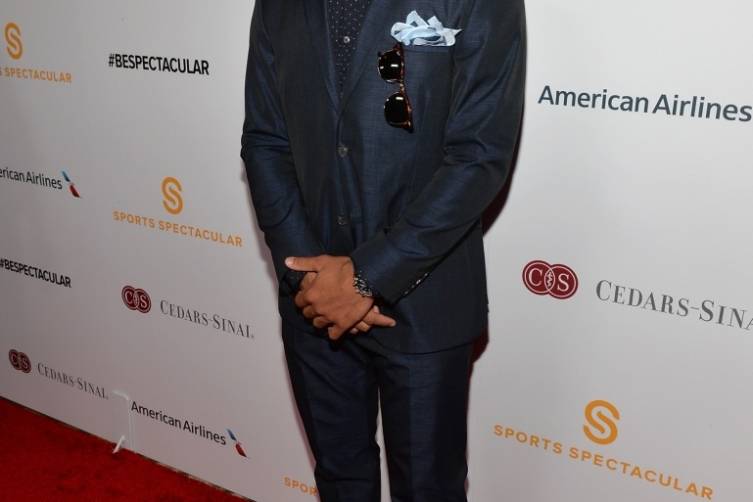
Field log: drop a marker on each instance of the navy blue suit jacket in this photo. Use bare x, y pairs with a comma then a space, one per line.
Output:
328, 175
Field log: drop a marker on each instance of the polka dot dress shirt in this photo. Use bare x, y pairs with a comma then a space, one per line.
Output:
345, 22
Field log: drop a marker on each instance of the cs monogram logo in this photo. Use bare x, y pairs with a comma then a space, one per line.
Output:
558, 281
171, 193
136, 299
14, 47
601, 418
20, 361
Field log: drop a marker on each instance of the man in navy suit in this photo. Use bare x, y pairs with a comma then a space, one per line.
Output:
370, 163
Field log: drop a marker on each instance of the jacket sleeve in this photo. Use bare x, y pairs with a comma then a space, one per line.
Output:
265, 149
479, 143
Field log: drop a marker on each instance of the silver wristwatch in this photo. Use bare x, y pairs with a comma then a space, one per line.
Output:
361, 285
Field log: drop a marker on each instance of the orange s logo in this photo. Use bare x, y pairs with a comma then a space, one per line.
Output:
172, 199
601, 428
15, 48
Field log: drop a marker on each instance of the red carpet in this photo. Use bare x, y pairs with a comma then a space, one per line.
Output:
44, 460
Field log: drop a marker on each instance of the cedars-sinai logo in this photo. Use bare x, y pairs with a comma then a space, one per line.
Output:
136, 299
558, 281
20, 361
601, 422
13, 45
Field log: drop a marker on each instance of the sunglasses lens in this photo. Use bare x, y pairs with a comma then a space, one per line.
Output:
396, 110
391, 66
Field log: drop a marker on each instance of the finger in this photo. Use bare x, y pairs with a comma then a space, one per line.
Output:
307, 280
376, 319
304, 263
309, 312
334, 332
300, 300
321, 322
362, 327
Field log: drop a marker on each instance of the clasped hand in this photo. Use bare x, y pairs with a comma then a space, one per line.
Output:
327, 296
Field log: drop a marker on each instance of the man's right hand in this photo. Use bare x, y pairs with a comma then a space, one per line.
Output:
373, 318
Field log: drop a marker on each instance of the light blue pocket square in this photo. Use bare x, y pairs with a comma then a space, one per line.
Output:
416, 31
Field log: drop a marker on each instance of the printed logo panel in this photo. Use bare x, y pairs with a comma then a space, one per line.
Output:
601, 427
20, 361
558, 281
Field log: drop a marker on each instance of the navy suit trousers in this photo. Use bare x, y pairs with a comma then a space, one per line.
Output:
338, 387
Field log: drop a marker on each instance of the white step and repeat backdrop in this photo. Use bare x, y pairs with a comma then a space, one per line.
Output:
136, 298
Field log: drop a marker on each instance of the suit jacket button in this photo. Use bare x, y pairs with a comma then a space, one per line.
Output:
342, 220
342, 150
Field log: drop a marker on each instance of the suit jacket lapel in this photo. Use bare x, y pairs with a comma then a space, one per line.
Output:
321, 43
380, 17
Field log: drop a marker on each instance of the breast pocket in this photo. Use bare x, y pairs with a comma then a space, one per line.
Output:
428, 82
